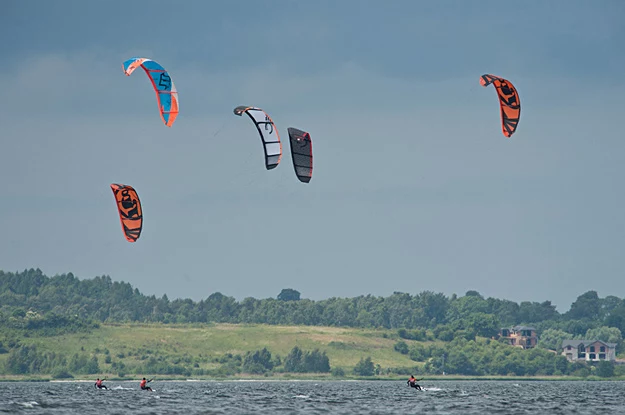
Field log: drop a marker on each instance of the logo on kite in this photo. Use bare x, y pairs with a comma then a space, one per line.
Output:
304, 140
509, 102
164, 80
268, 125
166, 94
129, 209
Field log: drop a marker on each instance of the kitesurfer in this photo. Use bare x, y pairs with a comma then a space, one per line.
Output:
99, 385
413, 383
144, 385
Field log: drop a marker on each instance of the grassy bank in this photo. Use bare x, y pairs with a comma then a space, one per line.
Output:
123, 351
200, 346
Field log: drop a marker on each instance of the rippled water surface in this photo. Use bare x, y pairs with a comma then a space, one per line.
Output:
292, 397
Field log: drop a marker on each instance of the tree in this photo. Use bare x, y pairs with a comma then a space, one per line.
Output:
316, 362
587, 306
485, 325
577, 327
365, 367
338, 372
609, 304
561, 365
258, 362
617, 318
473, 293
306, 362
605, 334
418, 353
464, 306
605, 369
552, 339
507, 311
92, 366
548, 310
435, 307
289, 294
533, 312
293, 362
401, 347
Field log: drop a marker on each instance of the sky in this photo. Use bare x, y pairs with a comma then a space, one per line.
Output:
414, 186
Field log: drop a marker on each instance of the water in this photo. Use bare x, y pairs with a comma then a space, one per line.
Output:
314, 397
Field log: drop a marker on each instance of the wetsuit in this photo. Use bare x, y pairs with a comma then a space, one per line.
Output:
413, 383
144, 385
99, 385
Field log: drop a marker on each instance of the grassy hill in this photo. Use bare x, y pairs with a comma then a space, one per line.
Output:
201, 347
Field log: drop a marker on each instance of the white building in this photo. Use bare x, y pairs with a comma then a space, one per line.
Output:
588, 350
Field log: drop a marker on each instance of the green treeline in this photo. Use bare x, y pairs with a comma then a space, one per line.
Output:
102, 300
441, 334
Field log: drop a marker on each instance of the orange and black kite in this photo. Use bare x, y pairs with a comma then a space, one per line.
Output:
508, 101
130, 212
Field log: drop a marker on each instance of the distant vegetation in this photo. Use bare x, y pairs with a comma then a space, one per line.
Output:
424, 333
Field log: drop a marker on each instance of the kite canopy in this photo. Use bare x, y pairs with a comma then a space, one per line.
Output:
301, 151
166, 94
508, 101
130, 212
268, 134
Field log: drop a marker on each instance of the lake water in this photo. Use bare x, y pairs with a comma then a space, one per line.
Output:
315, 397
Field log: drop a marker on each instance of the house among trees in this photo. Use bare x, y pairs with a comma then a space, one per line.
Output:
588, 350
520, 336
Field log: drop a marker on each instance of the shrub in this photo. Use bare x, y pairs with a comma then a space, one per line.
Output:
401, 347
338, 372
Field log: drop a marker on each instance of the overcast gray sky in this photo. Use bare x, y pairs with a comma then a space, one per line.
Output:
414, 186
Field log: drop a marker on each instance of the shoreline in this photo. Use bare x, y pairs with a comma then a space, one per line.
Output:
439, 378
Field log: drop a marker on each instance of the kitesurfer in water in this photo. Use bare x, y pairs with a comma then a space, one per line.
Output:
99, 385
144, 385
413, 383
